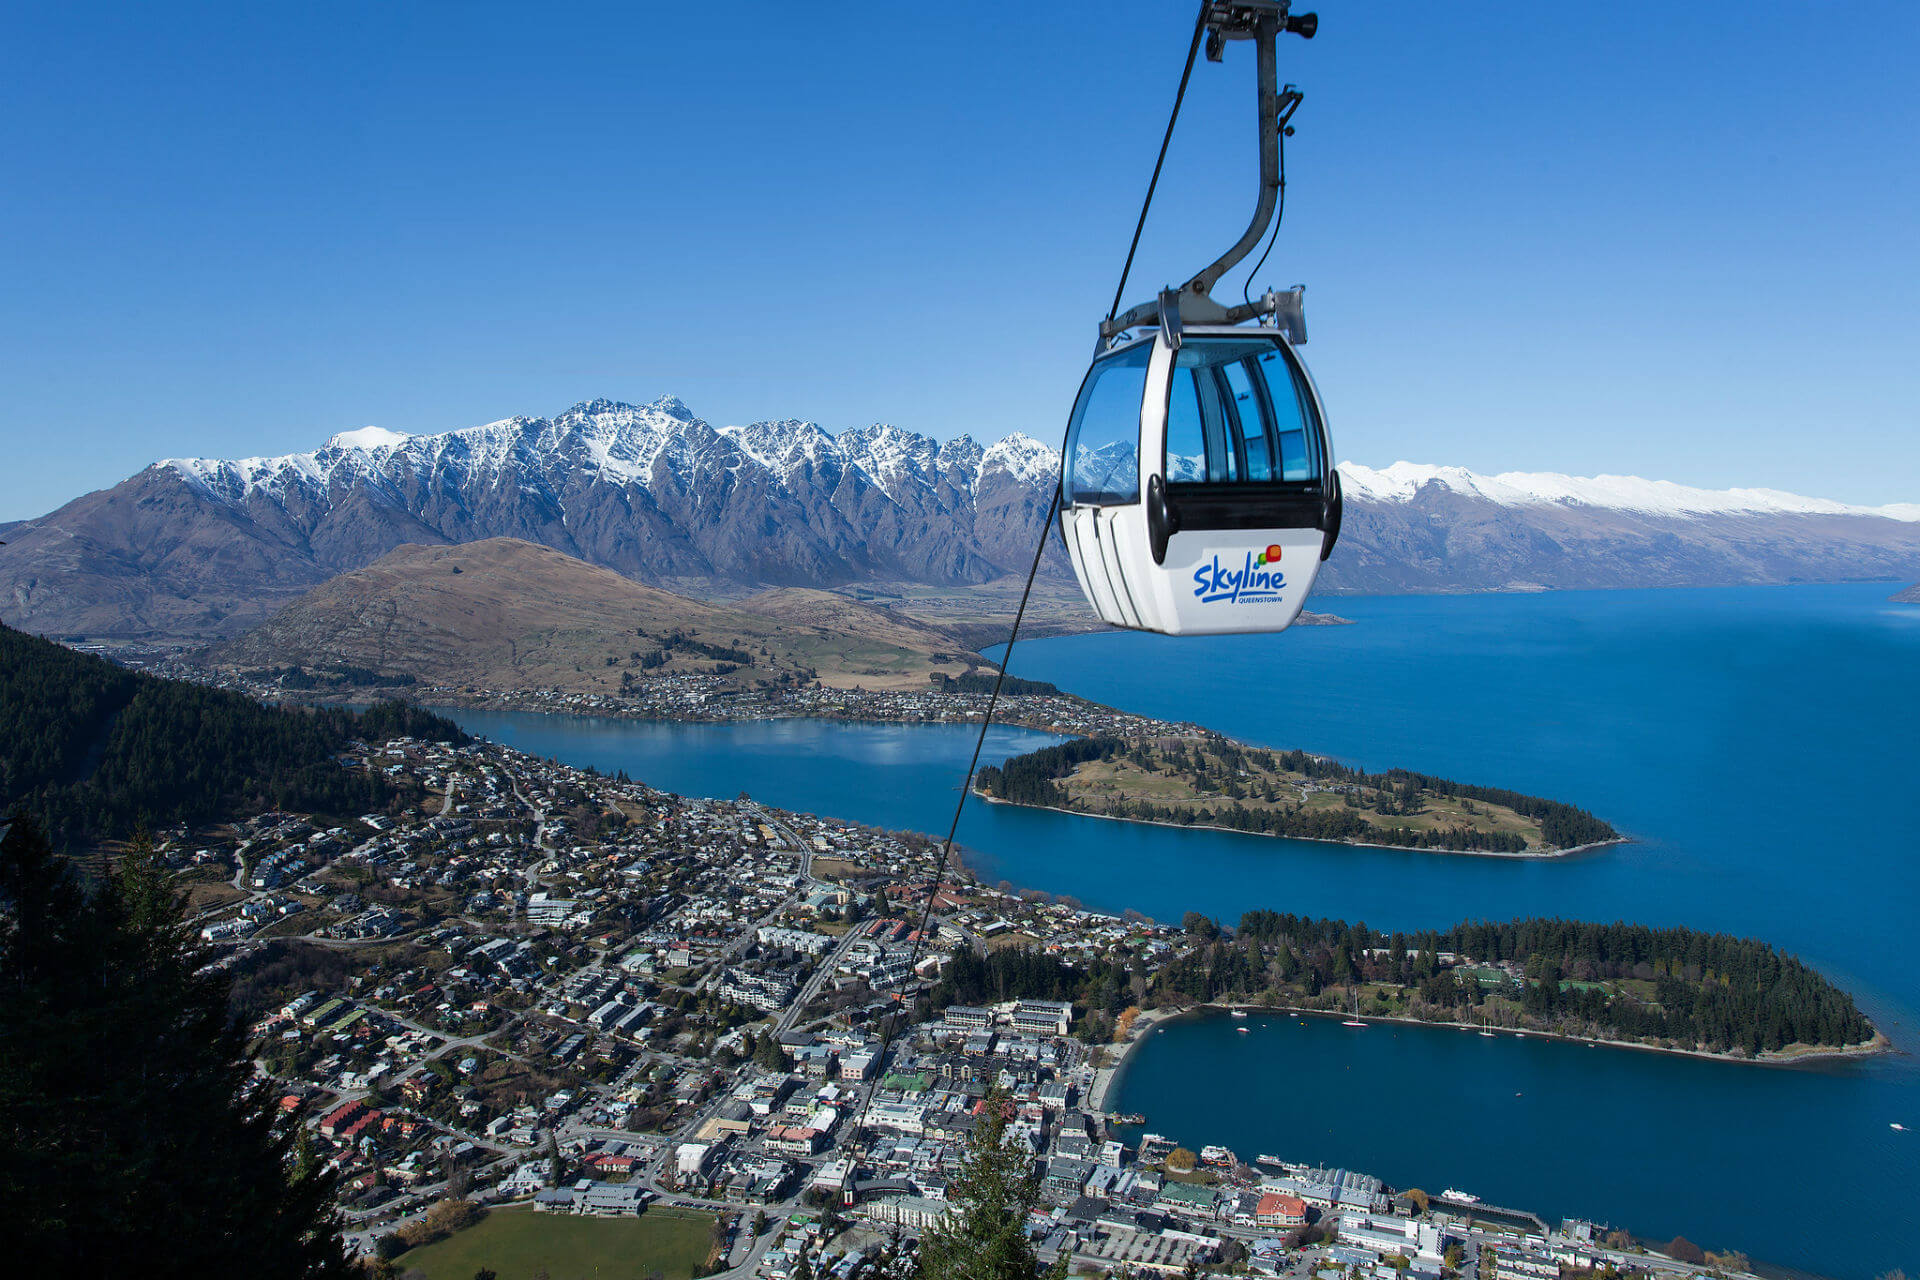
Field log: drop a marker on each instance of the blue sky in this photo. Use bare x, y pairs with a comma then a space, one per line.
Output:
1681, 243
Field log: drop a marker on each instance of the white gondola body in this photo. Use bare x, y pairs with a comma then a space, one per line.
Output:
1210, 580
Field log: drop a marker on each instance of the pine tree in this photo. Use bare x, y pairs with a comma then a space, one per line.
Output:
133, 1138
984, 1233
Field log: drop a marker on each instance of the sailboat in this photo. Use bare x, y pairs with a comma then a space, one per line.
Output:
1355, 1021
1483, 1027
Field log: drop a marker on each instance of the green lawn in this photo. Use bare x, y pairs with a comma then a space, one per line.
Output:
518, 1242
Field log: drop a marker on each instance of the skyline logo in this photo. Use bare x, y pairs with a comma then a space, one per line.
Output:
1256, 580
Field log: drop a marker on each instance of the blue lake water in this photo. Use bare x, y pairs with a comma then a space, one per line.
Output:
1759, 744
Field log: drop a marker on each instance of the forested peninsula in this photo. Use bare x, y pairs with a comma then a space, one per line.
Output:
1671, 989
92, 751
1210, 781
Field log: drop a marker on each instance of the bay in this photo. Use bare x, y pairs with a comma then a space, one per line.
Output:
899, 776
1757, 743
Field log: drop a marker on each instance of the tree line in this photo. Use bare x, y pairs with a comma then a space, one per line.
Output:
94, 751
1709, 989
1562, 825
343, 676
982, 682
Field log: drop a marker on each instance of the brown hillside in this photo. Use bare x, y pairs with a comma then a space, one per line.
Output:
503, 614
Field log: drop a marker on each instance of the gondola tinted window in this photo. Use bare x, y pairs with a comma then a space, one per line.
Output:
1238, 411
1103, 441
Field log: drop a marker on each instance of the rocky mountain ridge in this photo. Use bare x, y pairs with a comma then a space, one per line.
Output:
201, 548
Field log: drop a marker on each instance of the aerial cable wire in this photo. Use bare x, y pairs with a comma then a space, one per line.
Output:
894, 1020
953, 828
1186, 73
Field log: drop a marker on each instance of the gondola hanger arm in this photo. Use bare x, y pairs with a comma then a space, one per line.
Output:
1261, 21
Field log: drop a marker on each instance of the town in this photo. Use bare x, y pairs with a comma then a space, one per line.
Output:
701, 698
540, 986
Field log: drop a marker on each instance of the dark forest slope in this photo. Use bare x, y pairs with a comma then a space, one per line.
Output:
93, 750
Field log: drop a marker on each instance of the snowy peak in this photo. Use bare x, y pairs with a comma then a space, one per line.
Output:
1403, 481
1023, 458
368, 438
787, 446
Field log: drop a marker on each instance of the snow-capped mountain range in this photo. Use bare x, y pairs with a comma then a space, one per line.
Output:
618, 444
200, 547
1403, 481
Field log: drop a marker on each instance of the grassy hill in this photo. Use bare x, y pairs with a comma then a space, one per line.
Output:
506, 615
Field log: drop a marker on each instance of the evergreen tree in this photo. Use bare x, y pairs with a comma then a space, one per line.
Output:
984, 1233
133, 1138
768, 1055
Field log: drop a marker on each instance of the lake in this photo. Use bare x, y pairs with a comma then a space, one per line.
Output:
1757, 743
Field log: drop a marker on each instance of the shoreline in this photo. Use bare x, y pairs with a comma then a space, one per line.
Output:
1108, 1078
1058, 731
445, 700
1529, 855
467, 702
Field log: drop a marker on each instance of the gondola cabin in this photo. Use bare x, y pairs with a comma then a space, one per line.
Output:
1198, 492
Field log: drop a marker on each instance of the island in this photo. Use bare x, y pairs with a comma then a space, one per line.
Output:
1202, 779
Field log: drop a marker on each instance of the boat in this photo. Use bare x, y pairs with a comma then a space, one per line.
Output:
1238, 1013
1459, 1197
1266, 1159
1355, 1021
1241, 1030
1897, 1127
